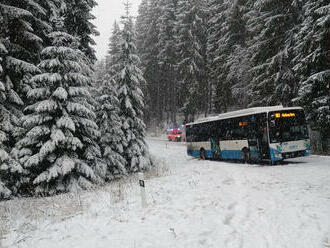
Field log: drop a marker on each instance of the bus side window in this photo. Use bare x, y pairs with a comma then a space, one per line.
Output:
208, 129
200, 132
239, 133
192, 134
228, 135
188, 133
196, 133
225, 130
203, 132
219, 130
252, 134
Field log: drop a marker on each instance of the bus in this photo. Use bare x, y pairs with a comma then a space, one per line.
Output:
256, 134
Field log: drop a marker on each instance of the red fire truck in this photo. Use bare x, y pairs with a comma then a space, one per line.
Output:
175, 134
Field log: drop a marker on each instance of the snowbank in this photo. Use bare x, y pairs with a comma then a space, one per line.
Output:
191, 203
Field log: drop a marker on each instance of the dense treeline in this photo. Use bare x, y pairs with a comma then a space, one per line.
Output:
58, 132
211, 56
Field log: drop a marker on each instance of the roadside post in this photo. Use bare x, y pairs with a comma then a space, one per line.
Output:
142, 190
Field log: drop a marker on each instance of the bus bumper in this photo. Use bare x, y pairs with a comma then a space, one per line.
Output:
275, 155
296, 154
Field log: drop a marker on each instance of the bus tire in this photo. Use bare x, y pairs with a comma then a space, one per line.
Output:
202, 154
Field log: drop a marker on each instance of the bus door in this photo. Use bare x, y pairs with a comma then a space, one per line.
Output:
254, 142
263, 137
258, 138
264, 144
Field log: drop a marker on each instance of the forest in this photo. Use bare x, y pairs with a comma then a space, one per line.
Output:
68, 122
205, 57
59, 131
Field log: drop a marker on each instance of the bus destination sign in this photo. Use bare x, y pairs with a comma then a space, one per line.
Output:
284, 115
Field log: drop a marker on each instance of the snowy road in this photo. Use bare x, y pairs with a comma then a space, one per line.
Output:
192, 204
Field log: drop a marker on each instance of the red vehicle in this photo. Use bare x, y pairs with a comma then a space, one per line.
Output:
175, 134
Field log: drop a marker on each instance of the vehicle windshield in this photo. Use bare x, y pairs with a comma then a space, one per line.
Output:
287, 126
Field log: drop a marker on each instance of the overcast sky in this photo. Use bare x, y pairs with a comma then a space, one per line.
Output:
106, 13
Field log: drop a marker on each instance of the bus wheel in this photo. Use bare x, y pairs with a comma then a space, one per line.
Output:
202, 154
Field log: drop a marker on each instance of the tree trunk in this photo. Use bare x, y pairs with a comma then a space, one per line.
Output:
325, 143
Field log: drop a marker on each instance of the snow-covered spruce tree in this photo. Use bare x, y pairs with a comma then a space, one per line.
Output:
20, 24
147, 48
143, 22
131, 100
233, 51
167, 57
58, 149
23, 33
78, 23
313, 65
4, 114
113, 53
111, 141
191, 47
227, 62
216, 18
274, 25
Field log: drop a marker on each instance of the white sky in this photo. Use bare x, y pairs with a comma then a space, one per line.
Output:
106, 13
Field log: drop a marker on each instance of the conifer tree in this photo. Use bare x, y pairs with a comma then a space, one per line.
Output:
167, 56
191, 45
111, 140
4, 112
214, 33
78, 23
227, 62
131, 100
274, 81
19, 50
143, 22
113, 54
148, 29
58, 150
312, 49
236, 66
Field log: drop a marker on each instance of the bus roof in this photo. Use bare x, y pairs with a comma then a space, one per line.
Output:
244, 112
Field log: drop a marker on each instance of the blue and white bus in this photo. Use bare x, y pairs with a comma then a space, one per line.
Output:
255, 134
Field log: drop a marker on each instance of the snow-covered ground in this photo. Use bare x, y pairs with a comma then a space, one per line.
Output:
191, 204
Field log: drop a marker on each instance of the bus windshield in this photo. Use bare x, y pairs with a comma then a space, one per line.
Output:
287, 126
